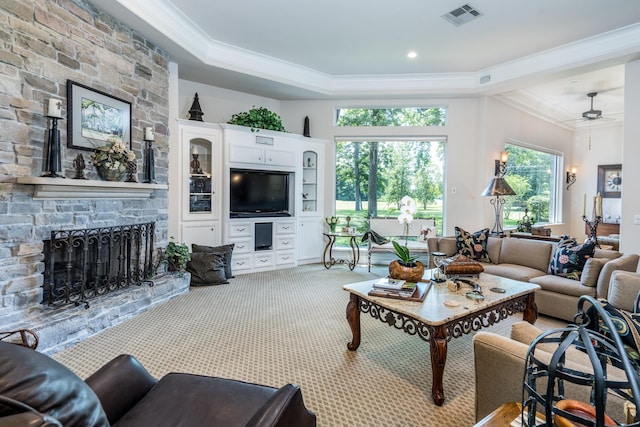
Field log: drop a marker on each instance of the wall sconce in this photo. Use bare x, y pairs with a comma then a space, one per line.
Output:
501, 164
571, 176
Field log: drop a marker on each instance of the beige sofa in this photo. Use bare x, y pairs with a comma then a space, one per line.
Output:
500, 361
528, 260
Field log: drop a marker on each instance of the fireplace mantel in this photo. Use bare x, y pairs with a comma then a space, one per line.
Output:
69, 189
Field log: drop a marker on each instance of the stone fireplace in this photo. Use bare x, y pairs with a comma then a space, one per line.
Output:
84, 264
47, 43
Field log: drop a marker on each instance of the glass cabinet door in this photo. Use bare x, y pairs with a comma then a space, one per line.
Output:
200, 176
310, 181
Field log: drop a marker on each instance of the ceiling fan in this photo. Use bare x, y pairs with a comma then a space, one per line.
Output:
592, 114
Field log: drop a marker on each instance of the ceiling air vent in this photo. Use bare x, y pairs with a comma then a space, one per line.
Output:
462, 15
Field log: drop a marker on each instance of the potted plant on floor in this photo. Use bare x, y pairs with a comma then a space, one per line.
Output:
177, 255
406, 267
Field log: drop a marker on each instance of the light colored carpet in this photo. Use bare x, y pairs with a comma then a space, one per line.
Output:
289, 326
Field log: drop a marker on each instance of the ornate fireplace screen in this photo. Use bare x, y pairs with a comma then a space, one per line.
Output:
83, 264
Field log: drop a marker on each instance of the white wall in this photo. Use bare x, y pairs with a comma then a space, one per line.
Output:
630, 232
476, 131
462, 145
503, 122
218, 105
606, 149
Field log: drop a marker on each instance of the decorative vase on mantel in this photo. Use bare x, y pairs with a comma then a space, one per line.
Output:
410, 273
107, 174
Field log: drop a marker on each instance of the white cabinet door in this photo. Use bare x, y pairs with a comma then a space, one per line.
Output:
280, 157
207, 234
310, 239
310, 180
245, 154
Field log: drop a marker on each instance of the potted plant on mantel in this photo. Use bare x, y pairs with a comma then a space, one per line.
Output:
258, 118
406, 267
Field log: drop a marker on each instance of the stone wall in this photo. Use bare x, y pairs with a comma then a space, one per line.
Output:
44, 44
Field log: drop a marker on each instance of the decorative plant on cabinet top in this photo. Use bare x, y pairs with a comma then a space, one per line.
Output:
258, 118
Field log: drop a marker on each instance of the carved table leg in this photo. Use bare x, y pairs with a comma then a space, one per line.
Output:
329, 248
438, 345
352, 243
531, 310
353, 317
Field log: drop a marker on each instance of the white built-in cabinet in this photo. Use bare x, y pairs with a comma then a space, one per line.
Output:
296, 238
311, 209
200, 161
207, 153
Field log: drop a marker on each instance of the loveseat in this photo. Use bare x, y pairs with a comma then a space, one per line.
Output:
528, 261
35, 390
499, 361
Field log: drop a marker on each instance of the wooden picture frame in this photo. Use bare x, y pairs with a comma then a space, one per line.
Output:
610, 180
96, 118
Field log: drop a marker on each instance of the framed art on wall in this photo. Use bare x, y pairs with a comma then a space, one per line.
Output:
96, 118
610, 180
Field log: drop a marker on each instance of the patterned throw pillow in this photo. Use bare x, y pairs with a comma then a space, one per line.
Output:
570, 257
473, 245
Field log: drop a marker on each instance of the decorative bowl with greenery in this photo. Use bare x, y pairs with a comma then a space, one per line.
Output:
258, 118
113, 157
177, 256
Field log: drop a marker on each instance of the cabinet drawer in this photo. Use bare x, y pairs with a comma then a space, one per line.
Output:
241, 262
285, 257
240, 229
241, 246
288, 227
263, 260
285, 242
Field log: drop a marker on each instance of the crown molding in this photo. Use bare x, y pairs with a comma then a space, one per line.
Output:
618, 45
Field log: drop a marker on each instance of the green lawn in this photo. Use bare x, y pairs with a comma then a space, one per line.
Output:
346, 208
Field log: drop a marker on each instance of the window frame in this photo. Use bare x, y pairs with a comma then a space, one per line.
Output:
556, 180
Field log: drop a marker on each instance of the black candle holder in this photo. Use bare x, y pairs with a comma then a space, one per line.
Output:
149, 166
54, 161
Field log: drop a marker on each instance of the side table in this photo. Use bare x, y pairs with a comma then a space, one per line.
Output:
504, 416
329, 260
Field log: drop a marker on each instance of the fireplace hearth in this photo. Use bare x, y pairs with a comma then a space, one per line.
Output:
83, 264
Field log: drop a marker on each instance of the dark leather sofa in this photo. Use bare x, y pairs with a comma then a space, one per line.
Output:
36, 390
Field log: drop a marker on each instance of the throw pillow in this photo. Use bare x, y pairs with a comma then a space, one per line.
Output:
207, 269
473, 245
48, 387
591, 271
226, 250
570, 258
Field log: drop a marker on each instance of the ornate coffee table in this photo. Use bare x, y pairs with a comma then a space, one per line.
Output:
437, 323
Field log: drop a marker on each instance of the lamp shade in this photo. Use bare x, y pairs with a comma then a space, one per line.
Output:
498, 186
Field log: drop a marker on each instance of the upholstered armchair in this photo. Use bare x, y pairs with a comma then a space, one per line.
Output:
36, 390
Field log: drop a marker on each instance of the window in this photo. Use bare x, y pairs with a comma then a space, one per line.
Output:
405, 116
373, 175
535, 176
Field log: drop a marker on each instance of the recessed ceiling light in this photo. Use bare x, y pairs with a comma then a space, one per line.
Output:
411, 55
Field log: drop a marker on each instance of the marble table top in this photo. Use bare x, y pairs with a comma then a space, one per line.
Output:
433, 310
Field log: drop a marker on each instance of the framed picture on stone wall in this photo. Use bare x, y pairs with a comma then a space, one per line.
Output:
96, 118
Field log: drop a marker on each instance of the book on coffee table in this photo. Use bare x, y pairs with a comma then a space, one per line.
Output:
393, 284
416, 292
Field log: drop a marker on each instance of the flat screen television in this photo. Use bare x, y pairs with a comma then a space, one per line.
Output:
258, 193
